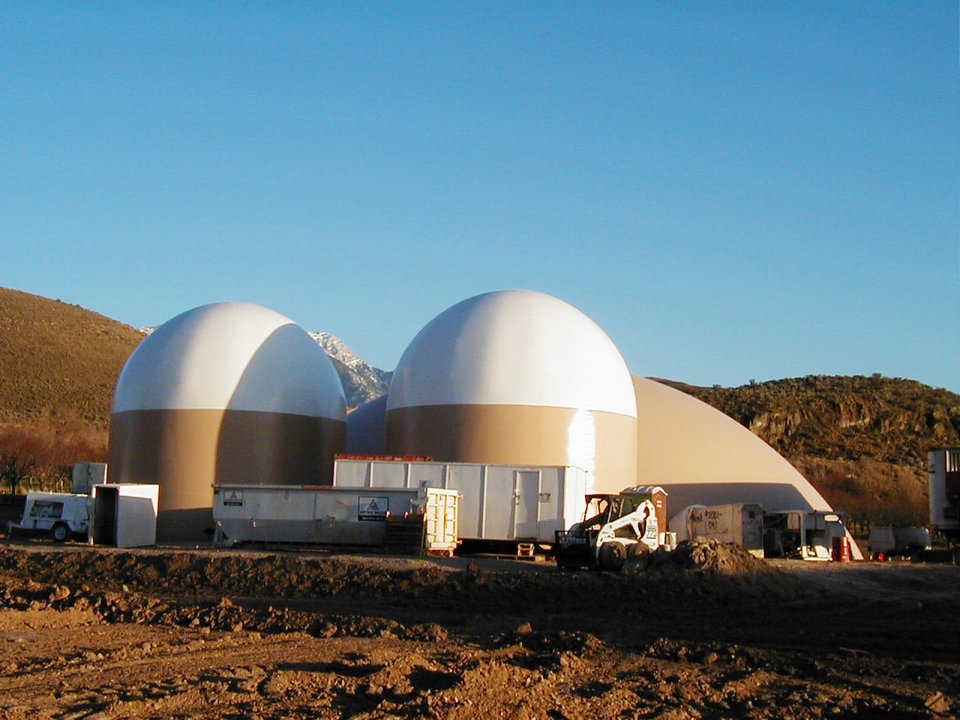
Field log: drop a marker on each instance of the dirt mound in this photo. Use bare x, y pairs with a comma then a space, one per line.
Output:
157, 634
701, 556
225, 615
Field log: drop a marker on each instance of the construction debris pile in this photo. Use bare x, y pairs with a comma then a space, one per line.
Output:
702, 556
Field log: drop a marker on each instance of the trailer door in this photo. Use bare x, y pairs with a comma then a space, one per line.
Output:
528, 503
499, 519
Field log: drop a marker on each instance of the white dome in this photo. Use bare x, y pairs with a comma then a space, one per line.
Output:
513, 347
234, 356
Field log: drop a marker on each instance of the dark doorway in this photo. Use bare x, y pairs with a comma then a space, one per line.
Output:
105, 516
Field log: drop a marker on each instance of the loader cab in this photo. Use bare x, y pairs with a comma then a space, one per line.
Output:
595, 515
612, 526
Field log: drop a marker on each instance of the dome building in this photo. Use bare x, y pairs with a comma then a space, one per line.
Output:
515, 377
224, 393
366, 428
701, 456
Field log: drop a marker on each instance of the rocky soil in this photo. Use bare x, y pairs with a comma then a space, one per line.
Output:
100, 633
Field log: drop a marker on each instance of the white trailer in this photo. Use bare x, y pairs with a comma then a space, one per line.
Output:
741, 524
59, 515
497, 502
902, 541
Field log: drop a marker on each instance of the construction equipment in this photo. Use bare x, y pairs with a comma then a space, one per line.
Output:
58, 514
891, 541
740, 523
614, 527
804, 534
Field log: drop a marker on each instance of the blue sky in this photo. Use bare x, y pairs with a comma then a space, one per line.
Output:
733, 191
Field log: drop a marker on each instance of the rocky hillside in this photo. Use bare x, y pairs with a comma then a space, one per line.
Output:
842, 417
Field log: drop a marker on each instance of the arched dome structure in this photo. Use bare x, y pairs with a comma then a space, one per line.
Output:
701, 456
515, 377
366, 428
224, 393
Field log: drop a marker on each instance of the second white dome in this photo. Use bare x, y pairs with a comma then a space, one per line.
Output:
513, 347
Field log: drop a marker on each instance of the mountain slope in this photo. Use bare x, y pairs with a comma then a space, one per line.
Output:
59, 362
58, 366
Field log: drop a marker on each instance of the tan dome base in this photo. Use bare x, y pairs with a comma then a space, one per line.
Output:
519, 435
186, 452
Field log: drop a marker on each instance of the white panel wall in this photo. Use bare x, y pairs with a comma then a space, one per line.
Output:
388, 474
468, 479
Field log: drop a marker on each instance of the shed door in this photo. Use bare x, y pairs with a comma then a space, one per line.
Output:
528, 504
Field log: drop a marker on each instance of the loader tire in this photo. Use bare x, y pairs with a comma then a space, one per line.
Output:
59, 532
612, 556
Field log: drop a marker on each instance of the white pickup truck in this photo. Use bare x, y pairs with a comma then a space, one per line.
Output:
59, 515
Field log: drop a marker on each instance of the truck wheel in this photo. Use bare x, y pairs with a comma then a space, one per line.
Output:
612, 556
59, 532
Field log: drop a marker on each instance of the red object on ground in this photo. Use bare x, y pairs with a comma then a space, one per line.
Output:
841, 549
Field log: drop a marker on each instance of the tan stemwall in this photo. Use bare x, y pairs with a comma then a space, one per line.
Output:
517, 435
188, 451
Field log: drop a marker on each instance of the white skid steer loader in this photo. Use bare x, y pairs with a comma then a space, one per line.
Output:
614, 527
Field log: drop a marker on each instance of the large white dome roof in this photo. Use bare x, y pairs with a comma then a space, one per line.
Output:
513, 347
231, 355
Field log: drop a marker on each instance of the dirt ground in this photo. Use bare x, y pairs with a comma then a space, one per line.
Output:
172, 632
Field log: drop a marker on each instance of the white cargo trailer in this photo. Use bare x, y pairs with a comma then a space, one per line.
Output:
497, 502
735, 523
